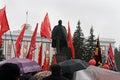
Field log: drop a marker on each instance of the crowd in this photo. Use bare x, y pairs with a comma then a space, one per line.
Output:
10, 71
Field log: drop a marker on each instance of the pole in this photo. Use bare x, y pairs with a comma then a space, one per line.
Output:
26, 17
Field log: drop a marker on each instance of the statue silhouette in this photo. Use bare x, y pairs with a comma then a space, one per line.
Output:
59, 37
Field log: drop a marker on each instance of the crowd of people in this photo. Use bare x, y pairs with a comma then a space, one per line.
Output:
10, 71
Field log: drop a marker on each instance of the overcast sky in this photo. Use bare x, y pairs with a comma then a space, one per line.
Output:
103, 15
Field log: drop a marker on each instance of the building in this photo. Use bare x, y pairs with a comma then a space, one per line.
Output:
105, 43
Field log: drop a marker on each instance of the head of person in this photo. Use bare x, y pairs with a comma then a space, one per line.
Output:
55, 69
9, 71
60, 22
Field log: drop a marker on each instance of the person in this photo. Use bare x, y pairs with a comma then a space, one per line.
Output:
9, 71
55, 73
59, 37
68, 75
42, 74
28, 76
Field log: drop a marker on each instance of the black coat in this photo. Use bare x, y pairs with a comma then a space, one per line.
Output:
59, 33
55, 78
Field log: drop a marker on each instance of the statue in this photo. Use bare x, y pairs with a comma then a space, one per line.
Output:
59, 37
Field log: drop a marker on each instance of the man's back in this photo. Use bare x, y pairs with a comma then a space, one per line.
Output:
56, 73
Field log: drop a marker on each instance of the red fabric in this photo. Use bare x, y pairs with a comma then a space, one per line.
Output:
70, 43
55, 59
46, 64
32, 44
45, 28
40, 56
19, 40
2, 12
3, 23
111, 60
92, 62
106, 66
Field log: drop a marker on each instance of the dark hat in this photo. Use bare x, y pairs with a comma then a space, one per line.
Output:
9, 71
56, 69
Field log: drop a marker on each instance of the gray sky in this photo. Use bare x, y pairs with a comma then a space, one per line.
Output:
103, 15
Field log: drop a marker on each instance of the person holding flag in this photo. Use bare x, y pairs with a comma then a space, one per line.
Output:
97, 54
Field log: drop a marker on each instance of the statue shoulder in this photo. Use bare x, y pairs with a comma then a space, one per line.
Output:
64, 27
55, 27
54, 30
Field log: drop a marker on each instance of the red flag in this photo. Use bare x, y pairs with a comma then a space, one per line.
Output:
4, 27
46, 63
55, 59
32, 44
97, 55
45, 28
70, 43
40, 56
111, 60
19, 40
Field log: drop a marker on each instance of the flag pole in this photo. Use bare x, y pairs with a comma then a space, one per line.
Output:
26, 17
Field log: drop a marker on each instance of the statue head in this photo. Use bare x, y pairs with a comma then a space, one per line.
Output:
60, 22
